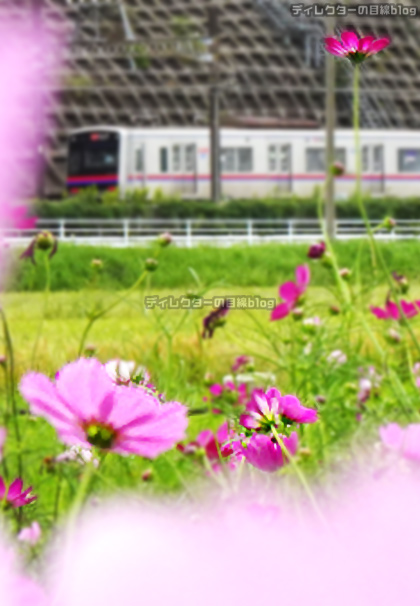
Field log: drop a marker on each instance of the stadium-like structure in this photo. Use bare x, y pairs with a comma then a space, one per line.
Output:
150, 62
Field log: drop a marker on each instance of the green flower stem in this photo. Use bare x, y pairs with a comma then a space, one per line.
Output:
95, 317
45, 307
83, 491
358, 158
375, 250
10, 369
340, 282
300, 475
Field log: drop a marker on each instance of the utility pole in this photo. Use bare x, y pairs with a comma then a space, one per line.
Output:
330, 128
213, 27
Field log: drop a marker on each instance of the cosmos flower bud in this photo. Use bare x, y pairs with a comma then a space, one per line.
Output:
165, 239
402, 282
337, 169
320, 399
97, 264
316, 251
147, 475
45, 240
335, 310
3, 360
151, 264
305, 451
345, 273
208, 379
389, 223
297, 313
393, 336
90, 350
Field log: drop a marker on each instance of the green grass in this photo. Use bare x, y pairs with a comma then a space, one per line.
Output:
241, 265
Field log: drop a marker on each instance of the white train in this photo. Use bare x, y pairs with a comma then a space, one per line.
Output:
254, 163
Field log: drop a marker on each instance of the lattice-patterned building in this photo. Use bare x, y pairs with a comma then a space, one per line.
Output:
270, 64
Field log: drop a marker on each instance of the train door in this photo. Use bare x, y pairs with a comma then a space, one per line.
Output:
280, 166
138, 165
184, 167
373, 168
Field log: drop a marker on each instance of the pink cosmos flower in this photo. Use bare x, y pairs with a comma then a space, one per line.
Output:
241, 361
353, 48
291, 292
267, 409
88, 409
14, 497
263, 452
31, 534
404, 440
228, 393
391, 311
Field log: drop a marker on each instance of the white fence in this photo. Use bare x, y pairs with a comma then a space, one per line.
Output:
190, 232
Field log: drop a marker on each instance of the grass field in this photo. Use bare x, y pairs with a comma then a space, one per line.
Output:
241, 265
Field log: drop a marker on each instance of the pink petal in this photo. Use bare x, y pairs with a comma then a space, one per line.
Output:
291, 443
204, 437
2, 488
334, 47
15, 489
380, 313
392, 436
293, 410
281, 311
350, 41
289, 291
44, 401
365, 44
84, 385
379, 45
303, 277
409, 309
393, 310
216, 389
222, 433
411, 442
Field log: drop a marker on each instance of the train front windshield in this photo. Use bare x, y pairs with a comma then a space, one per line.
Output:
93, 160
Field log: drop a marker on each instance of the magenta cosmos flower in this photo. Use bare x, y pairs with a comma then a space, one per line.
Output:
263, 452
291, 292
391, 311
14, 496
88, 409
267, 409
353, 48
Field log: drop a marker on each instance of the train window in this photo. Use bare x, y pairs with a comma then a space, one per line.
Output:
139, 160
244, 160
409, 160
315, 159
190, 158
237, 160
228, 160
279, 158
378, 159
176, 158
365, 159
164, 164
